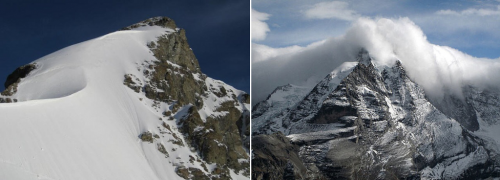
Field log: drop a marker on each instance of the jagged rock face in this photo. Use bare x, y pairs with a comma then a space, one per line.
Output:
289, 104
267, 115
346, 96
156, 21
175, 77
171, 78
485, 102
217, 139
459, 109
377, 124
274, 157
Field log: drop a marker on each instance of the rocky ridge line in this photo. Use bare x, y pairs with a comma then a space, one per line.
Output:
175, 78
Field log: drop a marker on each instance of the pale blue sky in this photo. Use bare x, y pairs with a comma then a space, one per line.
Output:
469, 26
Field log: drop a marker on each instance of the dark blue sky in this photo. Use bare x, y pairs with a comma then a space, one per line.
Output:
217, 30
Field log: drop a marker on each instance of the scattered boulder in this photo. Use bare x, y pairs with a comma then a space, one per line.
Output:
148, 137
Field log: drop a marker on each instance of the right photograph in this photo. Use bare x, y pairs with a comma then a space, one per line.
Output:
375, 89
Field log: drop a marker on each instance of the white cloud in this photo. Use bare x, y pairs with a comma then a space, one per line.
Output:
472, 27
259, 27
438, 69
471, 12
331, 10
262, 52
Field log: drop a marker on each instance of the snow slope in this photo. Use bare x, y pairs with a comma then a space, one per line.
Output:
75, 118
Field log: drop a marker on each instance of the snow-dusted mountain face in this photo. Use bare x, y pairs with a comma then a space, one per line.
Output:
367, 120
132, 104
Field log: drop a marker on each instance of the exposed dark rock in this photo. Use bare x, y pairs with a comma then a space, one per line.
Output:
222, 92
332, 114
246, 98
379, 125
147, 137
131, 83
165, 125
274, 157
167, 113
218, 139
156, 21
175, 81
162, 149
7, 100
244, 128
193, 173
20, 72
183, 172
15, 78
362, 75
176, 140
175, 77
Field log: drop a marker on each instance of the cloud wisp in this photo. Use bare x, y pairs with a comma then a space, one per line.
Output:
331, 10
471, 12
438, 69
471, 26
259, 27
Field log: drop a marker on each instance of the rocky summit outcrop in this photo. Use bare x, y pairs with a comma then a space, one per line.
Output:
15, 78
155, 21
376, 123
175, 78
13, 81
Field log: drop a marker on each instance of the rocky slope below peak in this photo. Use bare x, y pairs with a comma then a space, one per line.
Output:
216, 118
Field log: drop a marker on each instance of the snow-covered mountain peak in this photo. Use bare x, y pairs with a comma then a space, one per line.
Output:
131, 104
377, 123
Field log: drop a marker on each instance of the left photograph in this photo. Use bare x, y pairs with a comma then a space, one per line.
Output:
123, 90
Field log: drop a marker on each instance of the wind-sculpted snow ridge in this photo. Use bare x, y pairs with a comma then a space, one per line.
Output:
377, 123
132, 104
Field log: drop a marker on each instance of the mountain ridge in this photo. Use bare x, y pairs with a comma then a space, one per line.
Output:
386, 120
132, 104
